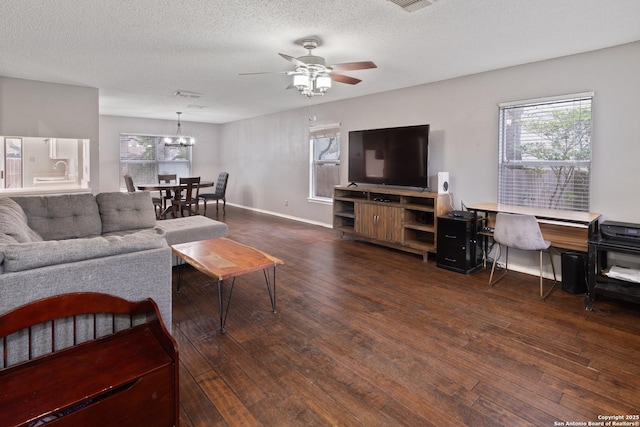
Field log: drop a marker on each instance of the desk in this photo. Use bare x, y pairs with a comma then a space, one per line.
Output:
175, 187
564, 229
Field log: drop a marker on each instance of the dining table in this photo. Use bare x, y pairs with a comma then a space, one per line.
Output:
176, 187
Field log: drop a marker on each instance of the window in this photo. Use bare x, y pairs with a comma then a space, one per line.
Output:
325, 162
545, 153
12, 163
145, 156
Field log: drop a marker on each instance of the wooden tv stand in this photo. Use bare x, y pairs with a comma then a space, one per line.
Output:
126, 378
401, 219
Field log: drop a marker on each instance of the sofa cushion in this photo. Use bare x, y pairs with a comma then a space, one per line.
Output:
192, 228
14, 223
26, 256
67, 216
126, 211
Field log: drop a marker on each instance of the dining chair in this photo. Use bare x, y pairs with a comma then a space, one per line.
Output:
219, 194
166, 194
157, 203
189, 200
520, 232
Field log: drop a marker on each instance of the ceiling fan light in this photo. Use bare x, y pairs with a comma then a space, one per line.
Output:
323, 83
301, 81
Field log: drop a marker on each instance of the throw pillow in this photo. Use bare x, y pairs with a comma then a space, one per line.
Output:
13, 222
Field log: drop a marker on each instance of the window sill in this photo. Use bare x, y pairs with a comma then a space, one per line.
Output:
322, 201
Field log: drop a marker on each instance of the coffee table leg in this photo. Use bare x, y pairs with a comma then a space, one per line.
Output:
224, 311
179, 267
272, 295
220, 282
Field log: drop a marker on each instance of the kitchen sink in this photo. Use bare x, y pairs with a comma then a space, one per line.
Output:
53, 180
50, 178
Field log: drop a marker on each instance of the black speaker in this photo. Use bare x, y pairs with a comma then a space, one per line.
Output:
574, 272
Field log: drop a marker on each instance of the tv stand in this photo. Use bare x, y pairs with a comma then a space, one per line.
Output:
404, 219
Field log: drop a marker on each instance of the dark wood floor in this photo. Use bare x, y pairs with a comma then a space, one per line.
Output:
368, 336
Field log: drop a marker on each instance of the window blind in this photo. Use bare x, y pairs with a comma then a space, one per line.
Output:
545, 153
325, 161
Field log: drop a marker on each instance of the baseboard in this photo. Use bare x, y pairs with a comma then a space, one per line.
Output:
294, 218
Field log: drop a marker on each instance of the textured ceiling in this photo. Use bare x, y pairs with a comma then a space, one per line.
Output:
139, 52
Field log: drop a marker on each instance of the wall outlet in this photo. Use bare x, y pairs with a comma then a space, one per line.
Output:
286, 203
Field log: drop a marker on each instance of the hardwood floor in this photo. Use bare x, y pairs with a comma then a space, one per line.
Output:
368, 336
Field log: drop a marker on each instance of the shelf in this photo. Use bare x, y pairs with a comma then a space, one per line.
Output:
619, 289
419, 244
600, 284
419, 226
403, 219
421, 208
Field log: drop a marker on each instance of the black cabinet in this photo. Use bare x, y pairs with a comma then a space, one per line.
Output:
458, 247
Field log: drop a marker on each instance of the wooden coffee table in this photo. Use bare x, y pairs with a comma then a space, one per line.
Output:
223, 259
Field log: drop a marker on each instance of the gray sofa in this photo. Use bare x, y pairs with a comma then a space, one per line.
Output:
107, 243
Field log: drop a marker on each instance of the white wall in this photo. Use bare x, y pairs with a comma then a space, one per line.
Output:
38, 109
206, 155
268, 156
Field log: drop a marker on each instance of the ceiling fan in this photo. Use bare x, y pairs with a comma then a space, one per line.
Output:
312, 77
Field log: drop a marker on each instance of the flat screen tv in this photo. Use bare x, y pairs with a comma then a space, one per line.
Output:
391, 156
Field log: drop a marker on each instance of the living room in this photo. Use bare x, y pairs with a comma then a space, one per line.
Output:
462, 112
267, 155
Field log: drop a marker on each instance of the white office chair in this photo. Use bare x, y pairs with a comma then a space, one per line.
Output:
520, 232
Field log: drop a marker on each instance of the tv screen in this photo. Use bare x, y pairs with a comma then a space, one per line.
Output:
391, 156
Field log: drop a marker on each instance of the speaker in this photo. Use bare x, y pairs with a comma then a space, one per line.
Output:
574, 272
443, 182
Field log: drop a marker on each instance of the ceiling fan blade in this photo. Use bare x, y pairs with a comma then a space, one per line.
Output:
295, 61
345, 79
352, 66
267, 72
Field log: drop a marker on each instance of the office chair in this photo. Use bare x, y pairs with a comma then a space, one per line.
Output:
520, 232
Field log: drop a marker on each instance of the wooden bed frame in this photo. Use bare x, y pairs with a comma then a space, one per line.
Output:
126, 377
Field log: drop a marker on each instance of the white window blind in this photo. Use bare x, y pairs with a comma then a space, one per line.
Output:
325, 161
144, 157
545, 153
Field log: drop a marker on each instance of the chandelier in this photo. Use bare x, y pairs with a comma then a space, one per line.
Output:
311, 80
178, 140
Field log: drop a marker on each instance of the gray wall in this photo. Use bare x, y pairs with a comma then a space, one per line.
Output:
268, 156
39, 109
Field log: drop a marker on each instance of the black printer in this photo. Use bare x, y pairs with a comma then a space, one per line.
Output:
622, 231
